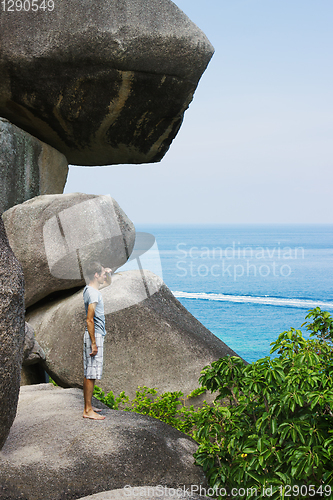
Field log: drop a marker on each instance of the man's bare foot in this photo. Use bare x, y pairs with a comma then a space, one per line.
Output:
96, 409
92, 415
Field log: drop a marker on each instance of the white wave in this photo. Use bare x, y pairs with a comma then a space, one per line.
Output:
248, 299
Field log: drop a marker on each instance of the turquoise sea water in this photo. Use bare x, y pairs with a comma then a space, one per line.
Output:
247, 284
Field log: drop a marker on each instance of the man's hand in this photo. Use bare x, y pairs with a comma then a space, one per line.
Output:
108, 272
94, 349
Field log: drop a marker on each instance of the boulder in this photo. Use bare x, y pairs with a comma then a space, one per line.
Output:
53, 453
12, 333
32, 351
103, 82
151, 338
32, 371
28, 167
53, 236
149, 493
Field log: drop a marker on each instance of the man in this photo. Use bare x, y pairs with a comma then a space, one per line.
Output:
96, 276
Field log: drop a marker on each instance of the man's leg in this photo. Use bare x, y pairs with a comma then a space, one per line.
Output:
88, 390
89, 383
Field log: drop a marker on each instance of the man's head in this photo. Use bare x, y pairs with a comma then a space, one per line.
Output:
95, 272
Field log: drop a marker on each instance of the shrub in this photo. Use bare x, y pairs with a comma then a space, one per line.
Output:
276, 432
164, 407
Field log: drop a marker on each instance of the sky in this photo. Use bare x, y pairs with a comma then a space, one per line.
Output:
256, 142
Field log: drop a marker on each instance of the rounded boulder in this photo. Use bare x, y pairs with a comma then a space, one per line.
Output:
53, 453
152, 340
55, 236
103, 82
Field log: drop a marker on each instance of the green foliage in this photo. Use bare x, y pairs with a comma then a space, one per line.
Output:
51, 381
109, 400
322, 326
168, 407
197, 392
277, 430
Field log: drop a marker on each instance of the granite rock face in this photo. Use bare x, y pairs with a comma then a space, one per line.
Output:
151, 340
54, 236
32, 351
28, 167
103, 82
12, 333
53, 453
32, 370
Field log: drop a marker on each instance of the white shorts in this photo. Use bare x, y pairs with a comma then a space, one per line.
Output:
93, 365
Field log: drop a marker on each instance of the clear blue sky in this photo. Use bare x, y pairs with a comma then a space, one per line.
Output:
256, 142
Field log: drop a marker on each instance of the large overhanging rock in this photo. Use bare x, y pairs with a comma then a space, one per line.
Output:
28, 167
52, 453
12, 333
152, 339
54, 236
104, 82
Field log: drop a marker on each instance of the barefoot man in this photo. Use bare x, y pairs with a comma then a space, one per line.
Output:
94, 334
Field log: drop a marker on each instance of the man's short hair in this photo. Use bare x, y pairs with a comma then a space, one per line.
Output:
92, 268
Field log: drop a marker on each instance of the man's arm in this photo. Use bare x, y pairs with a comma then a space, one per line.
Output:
107, 280
91, 327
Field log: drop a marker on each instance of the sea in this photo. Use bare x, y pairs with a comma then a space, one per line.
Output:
245, 283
